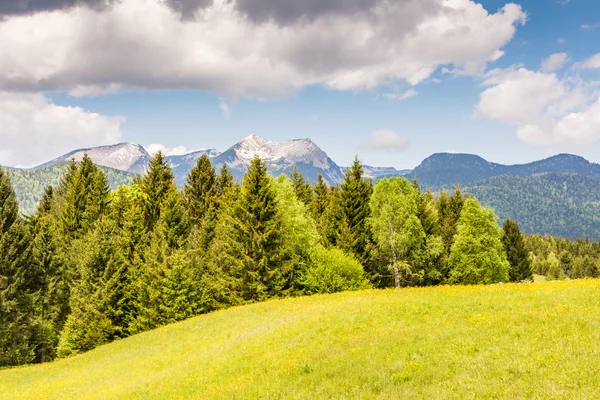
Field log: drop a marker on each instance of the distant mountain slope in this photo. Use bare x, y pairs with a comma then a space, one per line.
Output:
129, 157
445, 170
184, 163
281, 157
565, 205
29, 185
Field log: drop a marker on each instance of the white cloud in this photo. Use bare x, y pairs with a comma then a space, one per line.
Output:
589, 27
555, 62
154, 148
401, 96
257, 49
387, 140
545, 109
592, 62
561, 40
225, 109
33, 129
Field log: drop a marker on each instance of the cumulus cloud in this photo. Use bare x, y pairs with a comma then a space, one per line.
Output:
402, 95
592, 62
387, 140
154, 148
545, 109
33, 129
555, 62
248, 48
25, 7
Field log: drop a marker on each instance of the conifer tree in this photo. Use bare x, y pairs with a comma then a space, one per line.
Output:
16, 330
320, 199
225, 183
85, 199
51, 300
156, 186
96, 312
331, 223
355, 195
248, 243
67, 179
517, 253
478, 255
201, 190
302, 188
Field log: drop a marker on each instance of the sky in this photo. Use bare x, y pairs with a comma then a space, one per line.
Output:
392, 81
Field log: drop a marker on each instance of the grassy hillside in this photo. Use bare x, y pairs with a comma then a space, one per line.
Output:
505, 341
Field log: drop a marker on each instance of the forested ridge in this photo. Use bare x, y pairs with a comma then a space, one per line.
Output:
29, 184
93, 265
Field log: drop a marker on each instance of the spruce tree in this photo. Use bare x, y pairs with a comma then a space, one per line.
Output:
201, 190
96, 308
16, 280
249, 244
302, 188
320, 199
517, 253
477, 254
156, 186
355, 195
331, 221
225, 183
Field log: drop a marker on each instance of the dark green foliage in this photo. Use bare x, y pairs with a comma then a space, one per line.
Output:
201, 190
157, 185
30, 185
16, 280
320, 200
248, 244
96, 315
552, 204
85, 199
517, 253
302, 188
355, 194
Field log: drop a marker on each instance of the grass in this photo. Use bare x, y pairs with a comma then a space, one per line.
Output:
539, 340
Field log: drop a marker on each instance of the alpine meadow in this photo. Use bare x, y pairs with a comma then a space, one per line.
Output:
283, 199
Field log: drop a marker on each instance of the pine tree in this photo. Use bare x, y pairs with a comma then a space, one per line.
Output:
331, 221
248, 243
477, 254
16, 278
156, 186
517, 253
201, 191
67, 179
302, 188
355, 195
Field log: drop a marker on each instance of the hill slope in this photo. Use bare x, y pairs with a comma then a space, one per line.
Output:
29, 185
552, 204
502, 341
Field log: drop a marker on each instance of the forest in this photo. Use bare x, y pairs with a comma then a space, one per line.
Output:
93, 265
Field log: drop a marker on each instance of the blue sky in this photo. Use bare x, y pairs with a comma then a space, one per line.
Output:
445, 114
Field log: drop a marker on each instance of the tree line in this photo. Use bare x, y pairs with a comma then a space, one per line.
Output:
93, 265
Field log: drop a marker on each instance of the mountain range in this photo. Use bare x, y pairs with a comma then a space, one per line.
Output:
559, 195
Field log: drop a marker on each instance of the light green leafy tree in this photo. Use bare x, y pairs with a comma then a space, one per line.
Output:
478, 255
396, 227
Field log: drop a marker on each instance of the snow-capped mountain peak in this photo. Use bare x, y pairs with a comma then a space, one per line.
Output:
292, 151
122, 156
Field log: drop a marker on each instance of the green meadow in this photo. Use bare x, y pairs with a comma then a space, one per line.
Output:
539, 340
